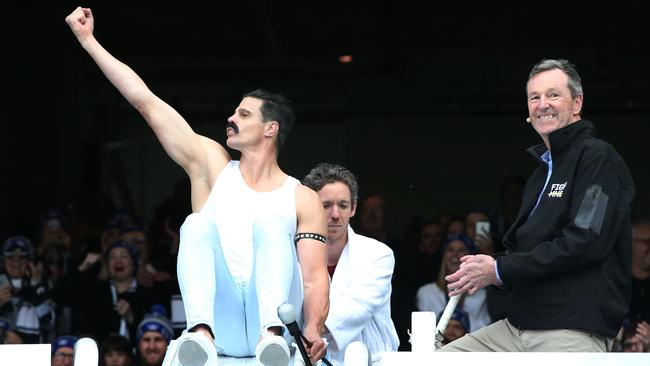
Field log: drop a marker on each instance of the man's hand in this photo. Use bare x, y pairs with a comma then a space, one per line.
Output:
476, 272
123, 308
145, 277
484, 243
90, 260
36, 272
642, 335
81, 22
318, 347
5, 295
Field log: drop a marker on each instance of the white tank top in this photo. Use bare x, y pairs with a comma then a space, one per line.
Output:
234, 207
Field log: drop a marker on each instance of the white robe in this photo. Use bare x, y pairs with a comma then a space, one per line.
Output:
360, 293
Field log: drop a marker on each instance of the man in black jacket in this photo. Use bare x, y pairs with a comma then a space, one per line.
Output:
568, 260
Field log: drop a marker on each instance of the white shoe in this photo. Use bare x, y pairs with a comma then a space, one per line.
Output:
192, 349
272, 350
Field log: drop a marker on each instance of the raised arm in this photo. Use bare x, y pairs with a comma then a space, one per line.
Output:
194, 153
312, 255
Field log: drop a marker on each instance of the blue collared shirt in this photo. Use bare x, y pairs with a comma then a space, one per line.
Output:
546, 158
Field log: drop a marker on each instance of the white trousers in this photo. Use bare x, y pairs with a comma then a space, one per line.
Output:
237, 312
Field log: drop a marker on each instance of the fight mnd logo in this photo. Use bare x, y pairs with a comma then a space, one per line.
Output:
557, 190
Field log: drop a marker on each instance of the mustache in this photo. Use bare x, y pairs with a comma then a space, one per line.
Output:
233, 126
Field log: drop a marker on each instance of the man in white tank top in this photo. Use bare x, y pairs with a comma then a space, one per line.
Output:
237, 261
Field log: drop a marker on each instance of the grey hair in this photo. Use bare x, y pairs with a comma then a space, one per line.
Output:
574, 84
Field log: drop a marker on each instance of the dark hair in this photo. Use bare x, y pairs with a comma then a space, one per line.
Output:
469, 243
54, 215
117, 343
574, 83
136, 225
133, 251
462, 316
487, 211
275, 107
325, 173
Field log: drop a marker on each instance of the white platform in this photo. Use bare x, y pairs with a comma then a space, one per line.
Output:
25, 354
492, 359
39, 354
515, 359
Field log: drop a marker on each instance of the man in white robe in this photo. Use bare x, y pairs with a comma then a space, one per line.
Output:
360, 268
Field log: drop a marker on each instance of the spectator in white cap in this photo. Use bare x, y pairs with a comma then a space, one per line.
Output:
154, 334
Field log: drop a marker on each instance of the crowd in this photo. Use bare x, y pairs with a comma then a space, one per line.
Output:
69, 279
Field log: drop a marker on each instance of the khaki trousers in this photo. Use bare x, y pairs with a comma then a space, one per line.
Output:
502, 336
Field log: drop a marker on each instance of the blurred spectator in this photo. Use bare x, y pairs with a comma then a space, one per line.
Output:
444, 217
116, 351
634, 336
485, 241
429, 253
457, 327
113, 231
136, 234
24, 296
157, 283
511, 192
374, 220
154, 334
166, 223
416, 264
8, 333
488, 243
55, 245
148, 275
109, 306
433, 296
456, 226
63, 351
640, 300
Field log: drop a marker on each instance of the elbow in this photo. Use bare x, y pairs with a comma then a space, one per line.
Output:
142, 105
143, 101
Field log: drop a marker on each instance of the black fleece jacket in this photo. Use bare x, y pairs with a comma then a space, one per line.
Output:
569, 263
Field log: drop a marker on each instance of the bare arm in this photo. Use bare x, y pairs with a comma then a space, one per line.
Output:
194, 153
312, 255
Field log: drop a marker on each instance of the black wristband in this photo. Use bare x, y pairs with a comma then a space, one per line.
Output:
313, 236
